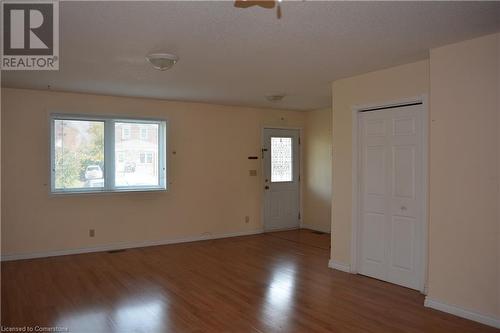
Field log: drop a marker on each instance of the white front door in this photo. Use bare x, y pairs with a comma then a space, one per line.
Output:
281, 178
391, 194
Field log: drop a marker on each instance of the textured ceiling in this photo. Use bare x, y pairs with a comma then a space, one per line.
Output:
236, 56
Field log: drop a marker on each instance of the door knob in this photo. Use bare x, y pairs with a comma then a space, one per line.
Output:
266, 187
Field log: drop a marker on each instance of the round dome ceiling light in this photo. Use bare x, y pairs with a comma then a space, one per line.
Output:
162, 61
275, 97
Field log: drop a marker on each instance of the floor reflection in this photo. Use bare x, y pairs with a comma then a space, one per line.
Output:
86, 321
141, 316
280, 294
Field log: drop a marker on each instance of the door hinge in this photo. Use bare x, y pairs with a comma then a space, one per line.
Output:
299, 178
263, 150
299, 140
299, 215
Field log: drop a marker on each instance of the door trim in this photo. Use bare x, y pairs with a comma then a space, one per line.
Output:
262, 166
355, 224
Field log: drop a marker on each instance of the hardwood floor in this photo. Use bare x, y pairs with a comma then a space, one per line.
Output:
305, 236
262, 283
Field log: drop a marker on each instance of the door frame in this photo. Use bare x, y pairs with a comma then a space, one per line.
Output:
261, 180
356, 191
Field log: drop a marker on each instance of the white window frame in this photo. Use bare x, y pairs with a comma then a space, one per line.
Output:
109, 154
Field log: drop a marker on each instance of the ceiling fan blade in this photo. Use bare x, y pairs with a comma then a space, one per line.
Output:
249, 3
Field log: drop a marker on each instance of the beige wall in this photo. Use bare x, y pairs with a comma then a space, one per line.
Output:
378, 87
498, 199
210, 192
464, 175
318, 170
464, 201
1, 225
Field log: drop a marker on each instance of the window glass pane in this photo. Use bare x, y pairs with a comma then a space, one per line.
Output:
281, 160
137, 164
144, 133
125, 131
79, 154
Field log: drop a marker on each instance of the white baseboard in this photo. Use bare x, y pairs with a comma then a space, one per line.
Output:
315, 228
339, 266
280, 229
460, 312
121, 246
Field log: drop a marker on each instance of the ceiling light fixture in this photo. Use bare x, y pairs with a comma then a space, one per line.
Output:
275, 97
162, 61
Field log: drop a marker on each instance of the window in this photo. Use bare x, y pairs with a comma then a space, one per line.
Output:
144, 133
78, 158
281, 159
99, 154
146, 157
125, 132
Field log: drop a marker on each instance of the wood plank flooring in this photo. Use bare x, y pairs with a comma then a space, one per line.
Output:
276, 282
305, 236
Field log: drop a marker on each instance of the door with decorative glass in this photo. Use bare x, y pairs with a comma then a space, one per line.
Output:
281, 158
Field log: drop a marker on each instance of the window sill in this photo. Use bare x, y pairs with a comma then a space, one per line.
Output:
108, 192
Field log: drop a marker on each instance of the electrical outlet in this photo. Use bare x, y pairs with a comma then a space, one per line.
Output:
247, 219
91, 232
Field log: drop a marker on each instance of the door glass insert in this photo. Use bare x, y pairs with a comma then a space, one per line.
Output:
281, 159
